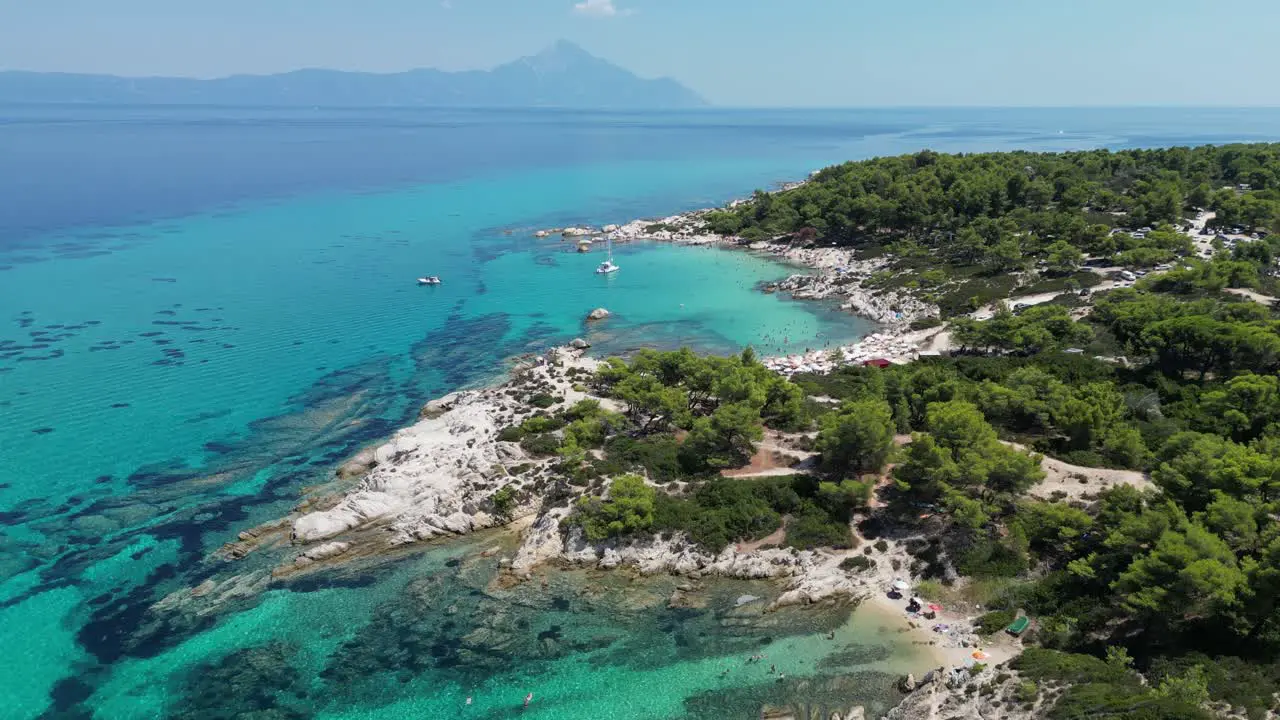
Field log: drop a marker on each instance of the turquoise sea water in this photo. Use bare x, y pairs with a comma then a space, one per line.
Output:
201, 312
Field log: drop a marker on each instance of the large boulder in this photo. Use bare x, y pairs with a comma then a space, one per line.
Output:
579, 344
326, 551
598, 314
439, 406
361, 463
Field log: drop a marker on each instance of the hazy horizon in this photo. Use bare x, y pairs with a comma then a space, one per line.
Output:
822, 54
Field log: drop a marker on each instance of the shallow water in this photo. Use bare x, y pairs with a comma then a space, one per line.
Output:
201, 314
417, 638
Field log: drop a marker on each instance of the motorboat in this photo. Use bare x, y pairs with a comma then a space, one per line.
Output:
429, 280
607, 266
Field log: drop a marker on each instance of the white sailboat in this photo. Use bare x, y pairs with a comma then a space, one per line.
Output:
607, 266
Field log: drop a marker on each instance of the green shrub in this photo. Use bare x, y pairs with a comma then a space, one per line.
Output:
583, 409
504, 501
813, 527
540, 424
659, 455
511, 434
544, 444
995, 621
1240, 682
629, 509
1108, 701
1040, 664
722, 511
988, 557
544, 401
857, 563
882, 546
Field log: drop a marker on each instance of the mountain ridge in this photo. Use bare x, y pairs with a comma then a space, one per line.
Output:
562, 75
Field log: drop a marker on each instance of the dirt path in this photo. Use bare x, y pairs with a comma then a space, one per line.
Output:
1254, 296
772, 458
1077, 481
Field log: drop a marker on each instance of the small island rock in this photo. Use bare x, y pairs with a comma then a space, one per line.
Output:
598, 314
579, 344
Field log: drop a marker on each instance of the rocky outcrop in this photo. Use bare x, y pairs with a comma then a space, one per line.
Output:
361, 463
439, 406
579, 344
422, 480
960, 694
326, 551
884, 306
769, 712
813, 571
598, 314
436, 477
542, 542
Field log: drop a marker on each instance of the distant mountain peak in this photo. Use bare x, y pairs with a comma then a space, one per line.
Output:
567, 49
561, 56
561, 75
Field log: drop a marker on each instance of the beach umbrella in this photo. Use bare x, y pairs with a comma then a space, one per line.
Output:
900, 585
979, 655
935, 607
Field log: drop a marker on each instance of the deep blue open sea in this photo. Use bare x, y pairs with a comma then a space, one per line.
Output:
203, 310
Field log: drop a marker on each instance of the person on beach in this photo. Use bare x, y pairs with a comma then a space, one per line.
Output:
528, 699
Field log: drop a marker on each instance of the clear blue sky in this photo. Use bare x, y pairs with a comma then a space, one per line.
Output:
744, 52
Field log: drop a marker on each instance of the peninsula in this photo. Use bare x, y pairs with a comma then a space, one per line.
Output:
1071, 457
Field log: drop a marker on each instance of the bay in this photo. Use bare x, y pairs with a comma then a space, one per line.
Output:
203, 310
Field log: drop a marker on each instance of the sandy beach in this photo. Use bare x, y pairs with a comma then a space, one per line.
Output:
952, 649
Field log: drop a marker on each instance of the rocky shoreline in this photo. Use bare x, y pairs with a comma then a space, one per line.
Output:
440, 477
